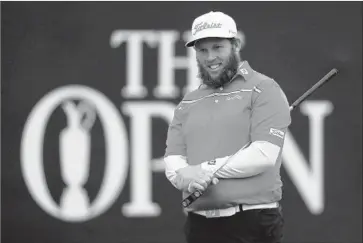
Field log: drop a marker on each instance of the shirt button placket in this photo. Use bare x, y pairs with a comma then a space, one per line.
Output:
216, 101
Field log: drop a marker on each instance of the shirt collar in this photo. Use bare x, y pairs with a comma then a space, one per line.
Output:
244, 70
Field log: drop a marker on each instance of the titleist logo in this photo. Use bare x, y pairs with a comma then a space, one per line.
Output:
204, 25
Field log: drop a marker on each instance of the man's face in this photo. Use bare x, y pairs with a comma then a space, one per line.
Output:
217, 60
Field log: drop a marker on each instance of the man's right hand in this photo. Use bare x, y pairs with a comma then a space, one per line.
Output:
193, 177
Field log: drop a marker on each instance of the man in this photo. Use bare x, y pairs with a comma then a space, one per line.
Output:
236, 111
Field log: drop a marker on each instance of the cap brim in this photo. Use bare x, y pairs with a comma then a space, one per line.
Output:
192, 42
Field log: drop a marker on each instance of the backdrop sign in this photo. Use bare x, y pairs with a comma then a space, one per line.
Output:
88, 91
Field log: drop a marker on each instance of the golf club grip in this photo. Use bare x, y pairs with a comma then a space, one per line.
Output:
191, 198
322, 81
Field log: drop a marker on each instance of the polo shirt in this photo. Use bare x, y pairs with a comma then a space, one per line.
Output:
212, 123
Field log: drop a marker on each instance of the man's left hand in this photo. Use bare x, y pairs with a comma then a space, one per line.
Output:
193, 175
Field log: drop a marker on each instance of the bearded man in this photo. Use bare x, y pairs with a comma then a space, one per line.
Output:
225, 141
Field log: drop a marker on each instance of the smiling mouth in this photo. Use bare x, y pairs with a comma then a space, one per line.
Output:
214, 66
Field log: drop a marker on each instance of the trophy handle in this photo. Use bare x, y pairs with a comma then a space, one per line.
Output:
86, 110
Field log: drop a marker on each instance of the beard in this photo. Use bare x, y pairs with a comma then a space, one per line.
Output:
227, 73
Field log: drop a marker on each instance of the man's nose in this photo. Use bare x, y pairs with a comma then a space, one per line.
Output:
211, 56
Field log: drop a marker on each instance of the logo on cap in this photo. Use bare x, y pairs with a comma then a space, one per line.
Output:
204, 25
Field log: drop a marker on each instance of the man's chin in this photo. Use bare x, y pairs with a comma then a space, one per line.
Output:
215, 76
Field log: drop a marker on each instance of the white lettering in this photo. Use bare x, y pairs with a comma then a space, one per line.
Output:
309, 181
168, 62
116, 153
141, 114
134, 56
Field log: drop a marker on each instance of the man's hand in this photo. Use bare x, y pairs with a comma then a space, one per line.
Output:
193, 177
197, 185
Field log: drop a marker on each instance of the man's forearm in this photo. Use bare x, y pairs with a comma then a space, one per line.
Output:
187, 177
172, 164
251, 161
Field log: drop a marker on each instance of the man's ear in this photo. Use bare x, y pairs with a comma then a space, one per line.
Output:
237, 44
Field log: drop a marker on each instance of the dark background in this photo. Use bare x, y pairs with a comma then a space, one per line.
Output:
48, 45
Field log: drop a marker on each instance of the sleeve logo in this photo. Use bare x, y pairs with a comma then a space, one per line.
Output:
277, 132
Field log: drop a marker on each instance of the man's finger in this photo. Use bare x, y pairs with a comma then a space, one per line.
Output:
215, 181
205, 178
195, 186
202, 182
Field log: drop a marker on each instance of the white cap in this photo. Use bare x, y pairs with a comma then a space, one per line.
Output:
212, 24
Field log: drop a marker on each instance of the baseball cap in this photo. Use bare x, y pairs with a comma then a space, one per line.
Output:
212, 24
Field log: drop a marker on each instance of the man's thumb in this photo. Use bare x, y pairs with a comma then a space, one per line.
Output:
215, 181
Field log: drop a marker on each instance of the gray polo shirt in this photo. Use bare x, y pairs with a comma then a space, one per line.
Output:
212, 123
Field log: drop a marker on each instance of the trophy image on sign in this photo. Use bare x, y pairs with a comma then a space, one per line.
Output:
75, 158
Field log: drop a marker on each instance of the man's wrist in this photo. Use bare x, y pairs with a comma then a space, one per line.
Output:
214, 165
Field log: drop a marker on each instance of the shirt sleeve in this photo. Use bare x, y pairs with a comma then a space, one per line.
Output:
175, 143
270, 116
172, 164
247, 162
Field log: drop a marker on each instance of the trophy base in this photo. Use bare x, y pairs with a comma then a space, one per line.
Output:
74, 203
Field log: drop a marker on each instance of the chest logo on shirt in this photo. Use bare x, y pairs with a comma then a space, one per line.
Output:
233, 97
244, 71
